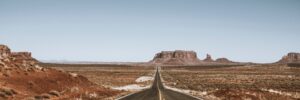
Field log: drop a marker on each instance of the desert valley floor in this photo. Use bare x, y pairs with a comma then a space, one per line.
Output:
211, 82
170, 74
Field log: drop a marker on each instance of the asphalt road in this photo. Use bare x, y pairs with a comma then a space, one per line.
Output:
158, 92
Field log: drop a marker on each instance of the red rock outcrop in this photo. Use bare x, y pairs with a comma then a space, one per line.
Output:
292, 57
20, 60
22, 56
208, 58
180, 57
4, 52
21, 78
176, 57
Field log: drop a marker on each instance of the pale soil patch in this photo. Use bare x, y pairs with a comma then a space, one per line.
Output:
144, 79
131, 87
292, 94
136, 87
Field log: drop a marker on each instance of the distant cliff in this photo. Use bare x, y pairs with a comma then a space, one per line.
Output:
181, 57
176, 57
291, 57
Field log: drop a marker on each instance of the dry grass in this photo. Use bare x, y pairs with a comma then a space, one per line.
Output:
241, 82
108, 75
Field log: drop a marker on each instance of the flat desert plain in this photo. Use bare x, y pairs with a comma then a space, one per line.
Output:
124, 78
247, 82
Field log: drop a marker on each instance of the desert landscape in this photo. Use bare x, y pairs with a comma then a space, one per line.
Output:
215, 80
123, 78
23, 77
149, 50
253, 82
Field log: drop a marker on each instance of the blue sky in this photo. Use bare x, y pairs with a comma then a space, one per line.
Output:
134, 30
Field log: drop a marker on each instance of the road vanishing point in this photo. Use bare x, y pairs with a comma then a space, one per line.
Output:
158, 92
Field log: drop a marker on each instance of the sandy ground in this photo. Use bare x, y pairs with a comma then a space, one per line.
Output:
255, 82
127, 79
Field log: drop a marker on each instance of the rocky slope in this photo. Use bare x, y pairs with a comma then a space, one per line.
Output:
22, 78
291, 57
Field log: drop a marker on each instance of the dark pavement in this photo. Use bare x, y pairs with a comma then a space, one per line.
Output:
158, 92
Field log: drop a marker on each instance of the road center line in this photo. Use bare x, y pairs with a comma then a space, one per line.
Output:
157, 84
159, 93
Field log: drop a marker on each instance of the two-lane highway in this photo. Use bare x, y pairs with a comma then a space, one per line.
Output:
158, 92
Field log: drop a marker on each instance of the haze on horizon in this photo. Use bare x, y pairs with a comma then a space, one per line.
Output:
134, 30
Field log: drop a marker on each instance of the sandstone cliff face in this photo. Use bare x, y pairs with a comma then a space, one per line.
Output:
180, 57
292, 57
176, 57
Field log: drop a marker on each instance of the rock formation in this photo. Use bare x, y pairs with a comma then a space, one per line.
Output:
176, 57
291, 57
21, 78
223, 60
21, 56
208, 58
4, 52
180, 57
20, 60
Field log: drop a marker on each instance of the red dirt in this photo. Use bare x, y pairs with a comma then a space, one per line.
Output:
22, 78
240, 94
